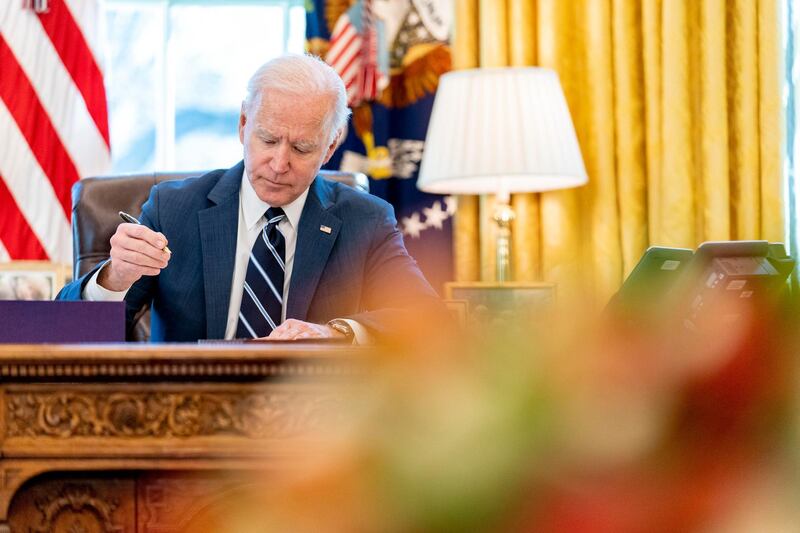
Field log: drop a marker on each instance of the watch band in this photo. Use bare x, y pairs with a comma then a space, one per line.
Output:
342, 327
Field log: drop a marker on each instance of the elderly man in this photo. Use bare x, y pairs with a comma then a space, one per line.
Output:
266, 248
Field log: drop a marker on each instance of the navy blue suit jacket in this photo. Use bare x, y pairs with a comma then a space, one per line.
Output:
360, 270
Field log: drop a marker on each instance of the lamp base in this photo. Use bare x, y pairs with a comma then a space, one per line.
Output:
503, 216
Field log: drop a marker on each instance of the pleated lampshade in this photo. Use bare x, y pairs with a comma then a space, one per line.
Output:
500, 130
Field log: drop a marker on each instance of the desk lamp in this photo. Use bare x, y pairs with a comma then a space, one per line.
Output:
500, 131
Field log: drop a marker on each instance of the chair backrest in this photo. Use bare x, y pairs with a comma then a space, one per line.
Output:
97, 201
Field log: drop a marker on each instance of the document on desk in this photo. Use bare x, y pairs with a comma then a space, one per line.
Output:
276, 341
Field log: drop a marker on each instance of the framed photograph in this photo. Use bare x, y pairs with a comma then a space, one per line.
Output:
31, 280
488, 300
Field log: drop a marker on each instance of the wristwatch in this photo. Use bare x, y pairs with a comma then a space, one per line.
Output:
342, 327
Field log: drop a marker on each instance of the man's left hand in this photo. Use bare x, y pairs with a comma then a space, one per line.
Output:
294, 329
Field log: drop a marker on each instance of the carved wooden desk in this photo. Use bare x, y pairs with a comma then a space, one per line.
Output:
98, 437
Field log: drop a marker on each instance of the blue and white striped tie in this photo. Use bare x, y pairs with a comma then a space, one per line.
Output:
262, 297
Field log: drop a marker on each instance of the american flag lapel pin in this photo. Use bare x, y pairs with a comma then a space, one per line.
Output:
325, 229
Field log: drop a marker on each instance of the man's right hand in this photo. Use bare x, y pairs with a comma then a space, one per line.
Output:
136, 251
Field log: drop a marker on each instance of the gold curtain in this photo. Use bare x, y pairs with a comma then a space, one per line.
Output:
677, 108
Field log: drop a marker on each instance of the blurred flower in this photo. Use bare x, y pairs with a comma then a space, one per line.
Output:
568, 424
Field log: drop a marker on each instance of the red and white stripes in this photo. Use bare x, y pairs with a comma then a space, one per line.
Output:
53, 123
344, 56
354, 55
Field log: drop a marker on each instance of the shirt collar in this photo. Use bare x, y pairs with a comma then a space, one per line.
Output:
254, 208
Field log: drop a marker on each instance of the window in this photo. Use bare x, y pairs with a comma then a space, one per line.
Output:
176, 72
791, 20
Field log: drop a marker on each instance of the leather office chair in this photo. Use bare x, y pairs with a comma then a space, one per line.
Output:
97, 201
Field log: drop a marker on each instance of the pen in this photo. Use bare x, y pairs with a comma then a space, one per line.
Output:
132, 220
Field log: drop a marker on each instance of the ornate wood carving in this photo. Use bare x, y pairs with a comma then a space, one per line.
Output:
122, 408
13, 371
75, 503
26, 363
76, 508
164, 414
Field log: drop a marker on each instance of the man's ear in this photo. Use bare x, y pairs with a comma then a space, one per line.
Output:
242, 122
337, 140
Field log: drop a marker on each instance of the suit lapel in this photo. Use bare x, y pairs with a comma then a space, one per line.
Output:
314, 245
218, 230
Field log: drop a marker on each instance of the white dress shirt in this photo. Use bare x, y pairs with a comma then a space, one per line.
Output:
252, 220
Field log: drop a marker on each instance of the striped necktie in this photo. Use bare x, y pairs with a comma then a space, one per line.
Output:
262, 297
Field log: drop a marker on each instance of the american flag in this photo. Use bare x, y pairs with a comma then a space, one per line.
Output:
410, 40
53, 121
353, 53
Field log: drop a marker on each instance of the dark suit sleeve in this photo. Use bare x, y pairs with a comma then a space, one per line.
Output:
73, 290
396, 294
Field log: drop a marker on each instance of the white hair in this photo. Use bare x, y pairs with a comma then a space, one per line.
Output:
302, 75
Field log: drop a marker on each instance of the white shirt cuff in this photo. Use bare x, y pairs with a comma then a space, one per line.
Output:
360, 333
94, 292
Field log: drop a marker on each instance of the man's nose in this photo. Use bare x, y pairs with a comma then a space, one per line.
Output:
280, 159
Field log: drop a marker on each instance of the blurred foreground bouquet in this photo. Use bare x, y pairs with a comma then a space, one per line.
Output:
613, 422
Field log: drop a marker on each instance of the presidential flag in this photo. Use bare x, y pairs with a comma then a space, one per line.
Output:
53, 121
390, 53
